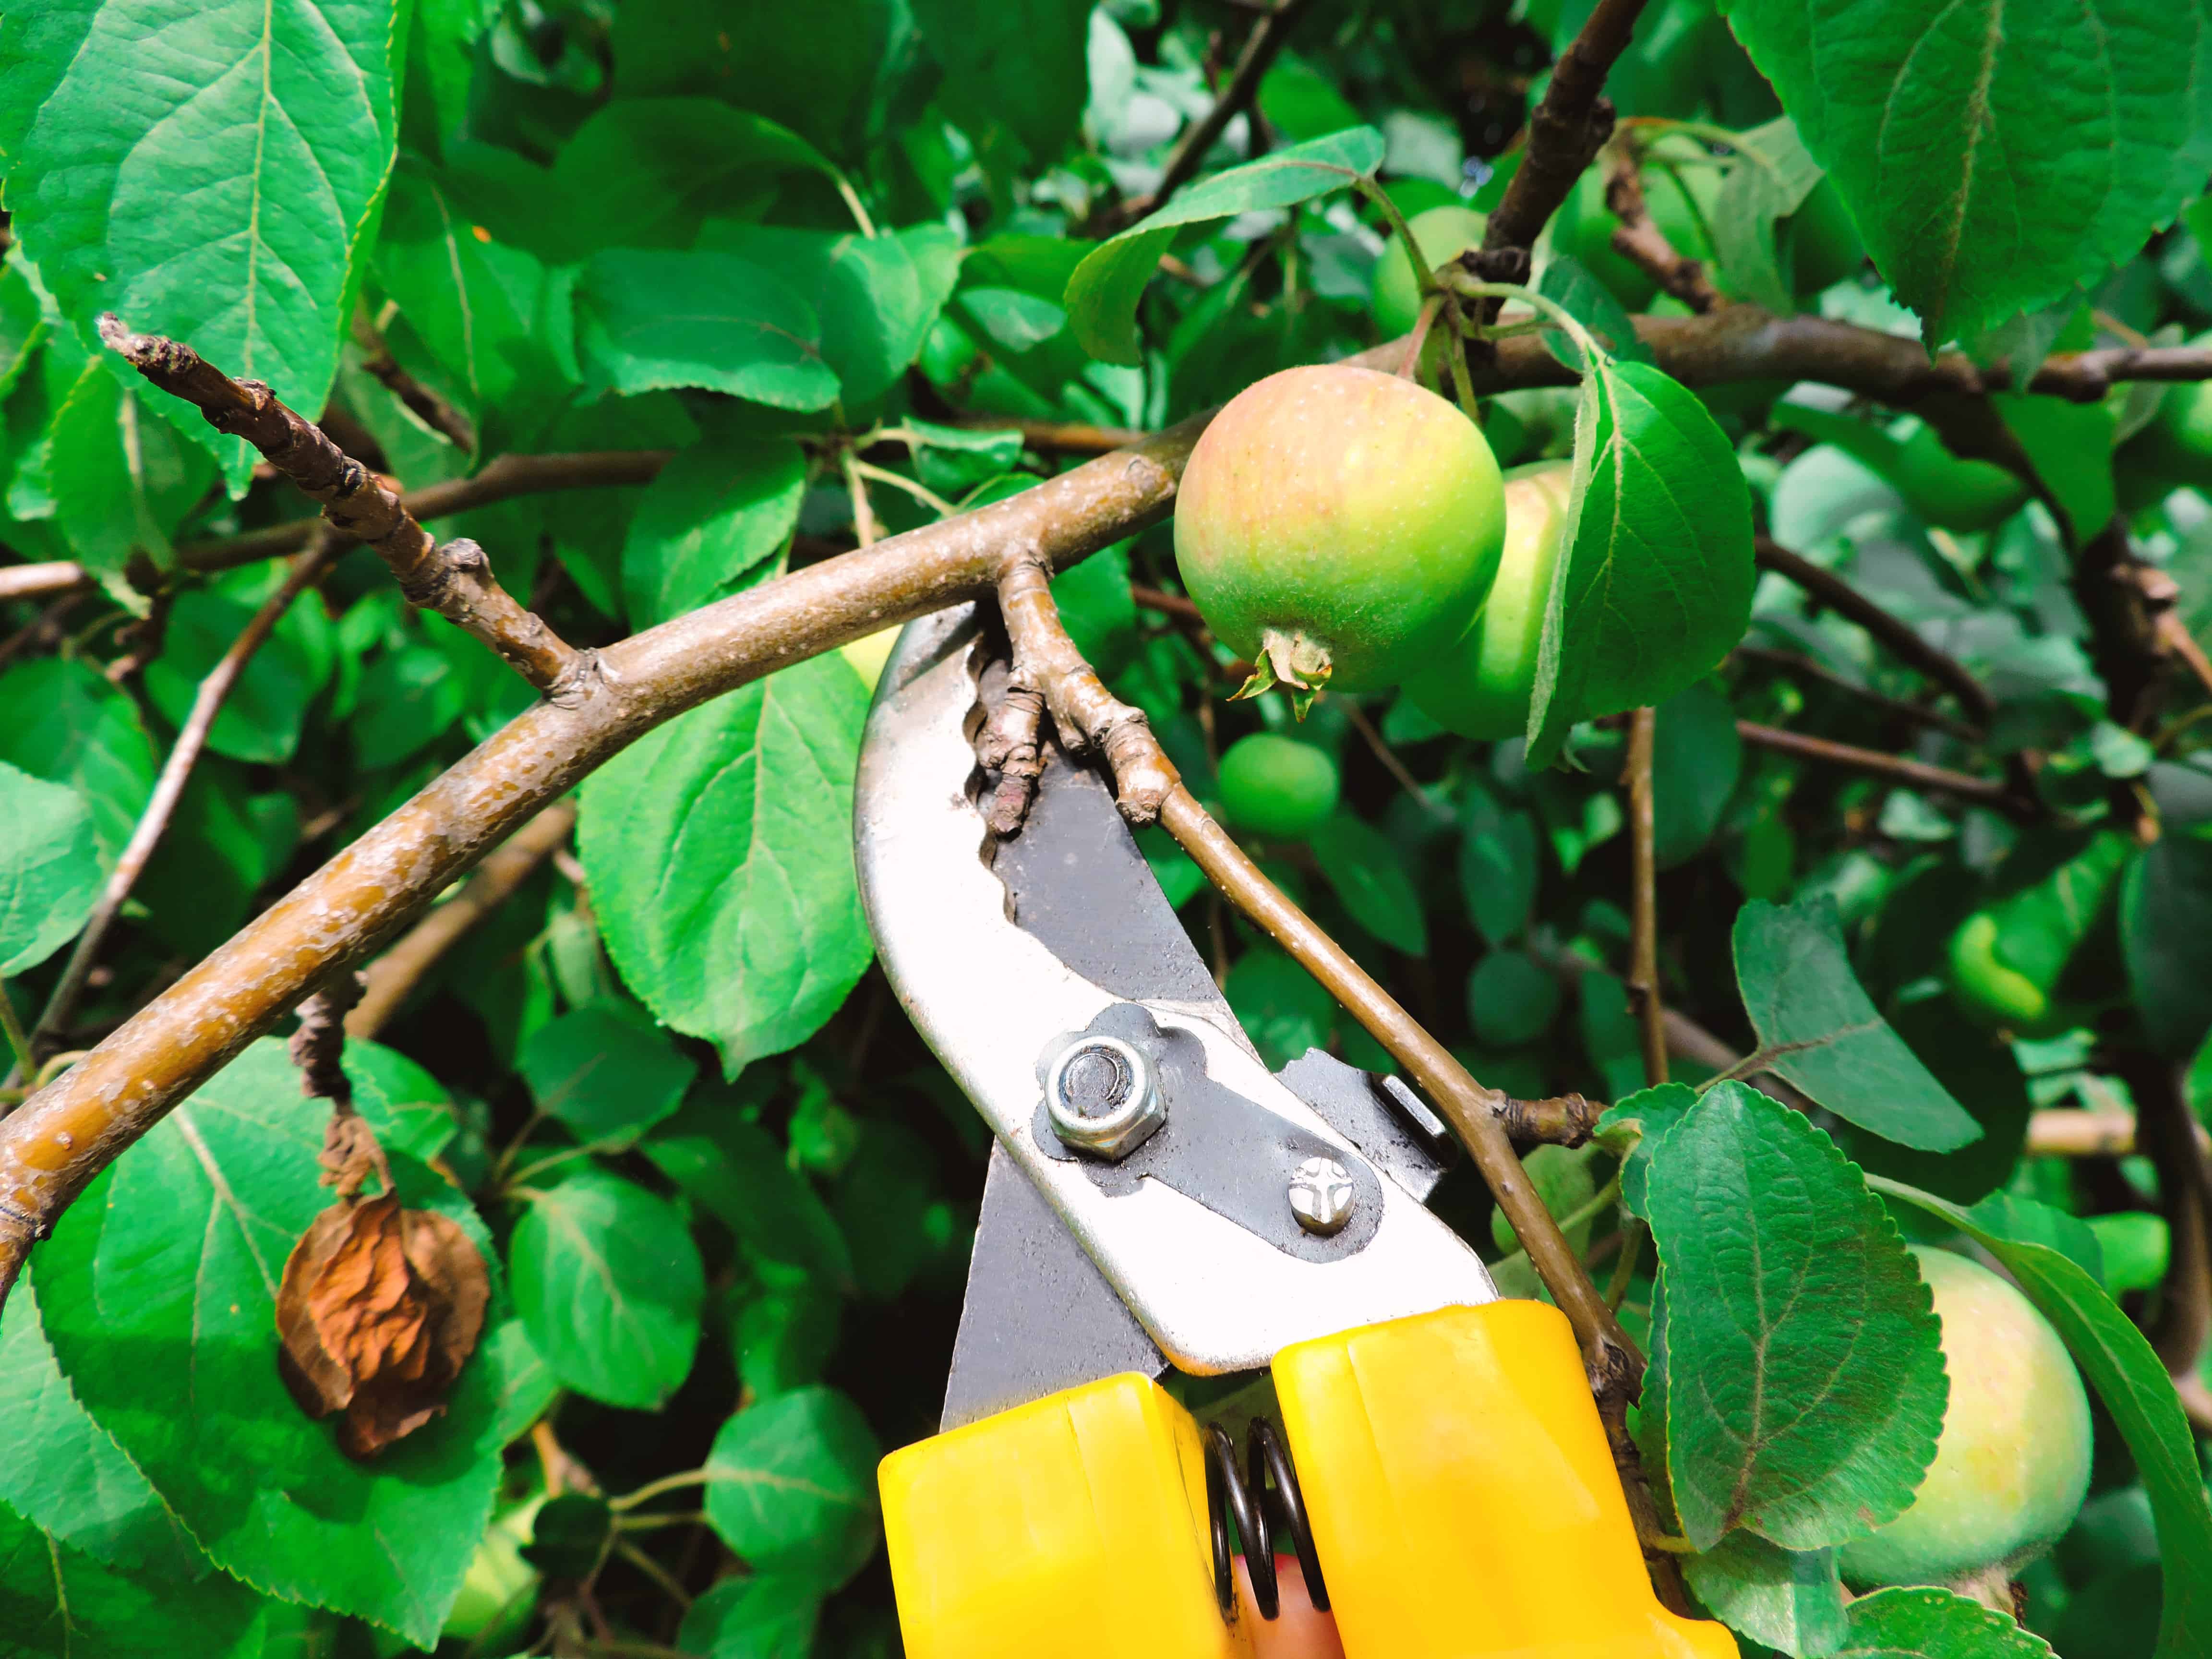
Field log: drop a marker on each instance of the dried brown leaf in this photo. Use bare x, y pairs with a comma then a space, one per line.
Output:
379, 1308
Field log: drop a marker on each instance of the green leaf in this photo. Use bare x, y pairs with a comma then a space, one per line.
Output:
1806, 1383
1103, 290
1632, 1128
1510, 999
760, 1617
1978, 1070
646, 320
792, 1486
887, 1206
783, 1336
1498, 868
719, 850
122, 481
1368, 872
736, 1173
268, 129
66, 1475
1655, 587
2131, 1381
410, 698
409, 1109
1769, 181
876, 295
1994, 156
1021, 63
1591, 303
69, 726
569, 1535
609, 1285
1282, 1008
1925, 1623
813, 68
158, 1291
708, 524
1823, 1034
2070, 445
646, 172
1696, 758
57, 1603
486, 312
608, 1076
1790, 1599
2166, 936
261, 719
49, 875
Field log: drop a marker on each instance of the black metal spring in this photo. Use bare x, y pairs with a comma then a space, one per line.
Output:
1265, 1491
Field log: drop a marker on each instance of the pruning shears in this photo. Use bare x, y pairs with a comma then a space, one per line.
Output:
1158, 1197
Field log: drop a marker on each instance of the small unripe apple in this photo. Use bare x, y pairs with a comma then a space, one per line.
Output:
1479, 688
1441, 233
2013, 1464
1277, 786
1339, 527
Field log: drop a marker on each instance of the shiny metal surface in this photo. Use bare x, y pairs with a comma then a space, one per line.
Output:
1322, 1195
1103, 1096
988, 996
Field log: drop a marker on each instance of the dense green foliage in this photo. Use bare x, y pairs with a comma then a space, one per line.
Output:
832, 258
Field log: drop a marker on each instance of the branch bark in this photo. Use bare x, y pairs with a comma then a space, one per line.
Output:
1567, 128
1896, 767
1789, 662
1637, 237
66, 1133
168, 789
1898, 637
1642, 982
455, 580
389, 980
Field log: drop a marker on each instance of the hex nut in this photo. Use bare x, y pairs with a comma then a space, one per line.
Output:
1103, 1098
1322, 1195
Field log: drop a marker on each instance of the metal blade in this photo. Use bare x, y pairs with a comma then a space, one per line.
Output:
1040, 1316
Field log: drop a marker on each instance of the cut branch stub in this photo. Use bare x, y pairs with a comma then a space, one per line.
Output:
454, 581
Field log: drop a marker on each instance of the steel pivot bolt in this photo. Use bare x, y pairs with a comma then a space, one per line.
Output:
1322, 1195
1103, 1098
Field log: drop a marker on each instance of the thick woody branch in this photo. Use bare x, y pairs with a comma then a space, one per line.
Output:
1637, 237
389, 980
2167, 1132
1266, 39
1567, 128
454, 581
1899, 638
67, 1132
1557, 1120
1895, 768
169, 788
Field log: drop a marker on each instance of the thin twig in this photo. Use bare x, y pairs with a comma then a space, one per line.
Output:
1899, 638
1167, 603
1638, 239
1567, 128
1356, 717
427, 406
169, 787
1054, 437
1873, 761
1268, 36
1643, 981
2071, 1132
455, 580
2167, 1132
392, 978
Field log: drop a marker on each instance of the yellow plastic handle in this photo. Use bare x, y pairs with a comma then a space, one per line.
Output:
1463, 1500
1074, 1526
